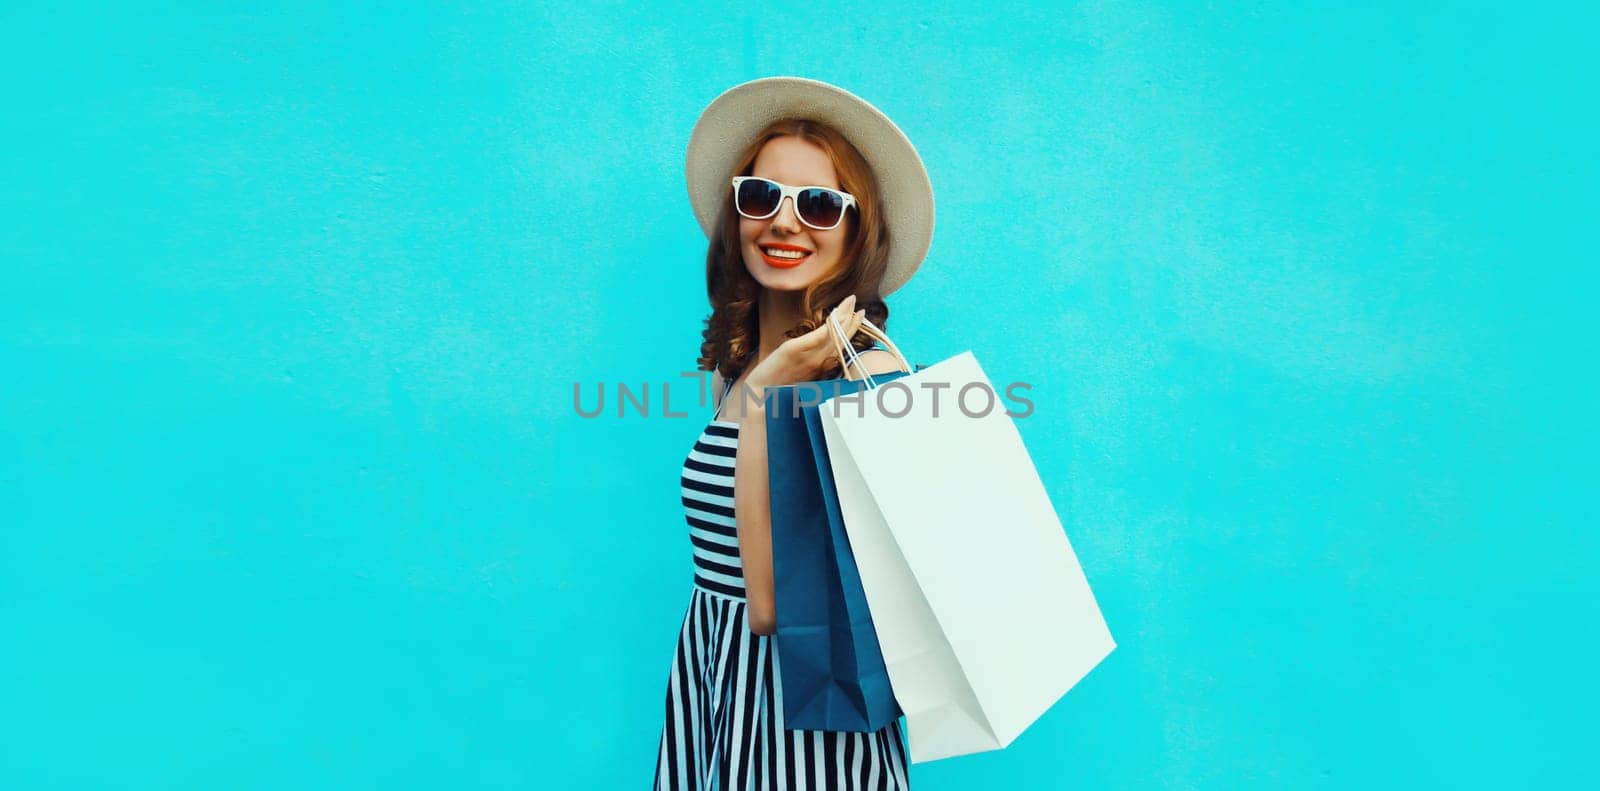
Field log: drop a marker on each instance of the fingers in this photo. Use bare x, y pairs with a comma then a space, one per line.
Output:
844, 310
847, 308
849, 320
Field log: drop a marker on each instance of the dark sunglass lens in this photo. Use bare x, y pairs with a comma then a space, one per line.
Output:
820, 207
758, 197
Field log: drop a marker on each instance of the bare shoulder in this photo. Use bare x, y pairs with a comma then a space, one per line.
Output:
876, 361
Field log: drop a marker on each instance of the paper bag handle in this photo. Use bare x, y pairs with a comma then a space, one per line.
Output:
847, 353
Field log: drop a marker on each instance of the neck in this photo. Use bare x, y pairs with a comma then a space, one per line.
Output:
777, 312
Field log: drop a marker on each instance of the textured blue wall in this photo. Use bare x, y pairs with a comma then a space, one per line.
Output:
293, 494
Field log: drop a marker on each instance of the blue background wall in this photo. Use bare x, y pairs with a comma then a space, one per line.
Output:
293, 493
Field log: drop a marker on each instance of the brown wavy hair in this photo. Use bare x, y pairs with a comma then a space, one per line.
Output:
728, 342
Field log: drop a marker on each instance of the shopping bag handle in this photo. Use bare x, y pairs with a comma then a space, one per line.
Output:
847, 353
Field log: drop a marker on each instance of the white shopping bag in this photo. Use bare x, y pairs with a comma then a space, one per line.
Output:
983, 613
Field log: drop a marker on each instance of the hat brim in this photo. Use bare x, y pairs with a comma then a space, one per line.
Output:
729, 123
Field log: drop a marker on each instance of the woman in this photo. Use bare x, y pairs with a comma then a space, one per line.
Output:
811, 199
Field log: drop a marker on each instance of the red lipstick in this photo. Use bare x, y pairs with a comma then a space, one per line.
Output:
783, 263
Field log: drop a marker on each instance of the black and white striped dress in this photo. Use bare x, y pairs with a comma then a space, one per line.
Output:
724, 720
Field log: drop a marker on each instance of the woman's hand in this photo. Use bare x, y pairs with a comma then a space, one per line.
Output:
809, 356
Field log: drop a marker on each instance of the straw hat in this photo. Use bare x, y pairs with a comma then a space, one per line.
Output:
733, 119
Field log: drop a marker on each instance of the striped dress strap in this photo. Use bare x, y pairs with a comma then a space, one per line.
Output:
727, 387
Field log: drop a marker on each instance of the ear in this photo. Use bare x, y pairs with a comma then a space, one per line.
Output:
876, 361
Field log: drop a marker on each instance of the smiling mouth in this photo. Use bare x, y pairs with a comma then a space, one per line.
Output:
783, 259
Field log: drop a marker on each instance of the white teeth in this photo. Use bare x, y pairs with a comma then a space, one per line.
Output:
775, 253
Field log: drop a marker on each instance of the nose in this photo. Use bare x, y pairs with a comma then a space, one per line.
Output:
786, 220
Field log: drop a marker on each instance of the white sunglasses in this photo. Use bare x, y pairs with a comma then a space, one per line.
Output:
821, 208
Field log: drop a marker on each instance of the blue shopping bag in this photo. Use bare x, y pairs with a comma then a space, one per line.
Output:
830, 668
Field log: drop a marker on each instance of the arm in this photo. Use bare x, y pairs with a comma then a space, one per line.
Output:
795, 360
752, 503
752, 513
